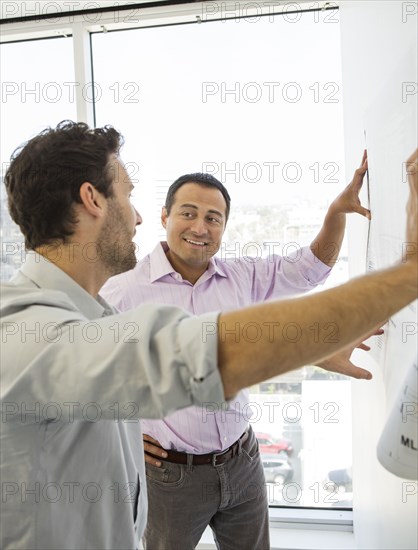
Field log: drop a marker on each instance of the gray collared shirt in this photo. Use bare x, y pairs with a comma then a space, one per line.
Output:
75, 380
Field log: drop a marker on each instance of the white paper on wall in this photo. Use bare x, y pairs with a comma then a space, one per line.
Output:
391, 136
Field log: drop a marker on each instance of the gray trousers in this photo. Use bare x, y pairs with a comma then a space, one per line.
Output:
230, 497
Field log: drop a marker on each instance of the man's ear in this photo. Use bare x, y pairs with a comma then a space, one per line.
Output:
92, 200
164, 216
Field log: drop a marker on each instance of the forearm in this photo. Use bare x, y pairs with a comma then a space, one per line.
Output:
289, 334
327, 244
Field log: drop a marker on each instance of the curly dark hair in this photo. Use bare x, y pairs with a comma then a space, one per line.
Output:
207, 180
45, 175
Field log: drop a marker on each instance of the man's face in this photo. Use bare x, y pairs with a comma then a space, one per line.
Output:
194, 227
118, 230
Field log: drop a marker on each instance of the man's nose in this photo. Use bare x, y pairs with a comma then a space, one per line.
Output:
138, 217
198, 226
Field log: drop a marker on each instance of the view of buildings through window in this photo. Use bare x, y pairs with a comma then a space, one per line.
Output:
257, 103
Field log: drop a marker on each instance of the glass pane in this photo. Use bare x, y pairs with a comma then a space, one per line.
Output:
259, 105
37, 83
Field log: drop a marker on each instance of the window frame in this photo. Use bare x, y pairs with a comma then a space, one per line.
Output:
81, 28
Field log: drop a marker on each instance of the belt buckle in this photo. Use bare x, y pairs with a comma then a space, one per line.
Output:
215, 456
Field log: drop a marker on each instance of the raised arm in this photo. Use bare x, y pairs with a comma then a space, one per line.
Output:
294, 333
326, 245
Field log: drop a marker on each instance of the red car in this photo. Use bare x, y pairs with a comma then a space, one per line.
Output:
268, 444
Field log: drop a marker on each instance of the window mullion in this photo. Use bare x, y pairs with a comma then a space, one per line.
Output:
83, 71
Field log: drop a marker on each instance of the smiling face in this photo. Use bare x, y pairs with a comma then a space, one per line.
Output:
194, 228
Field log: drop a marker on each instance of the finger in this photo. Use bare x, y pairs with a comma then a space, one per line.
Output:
364, 212
374, 332
412, 163
364, 158
363, 168
152, 460
349, 369
362, 374
154, 450
364, 347
159, 451
147, 437
412, 171
359, 175
358, 373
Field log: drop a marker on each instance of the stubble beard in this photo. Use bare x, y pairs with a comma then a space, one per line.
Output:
115, 242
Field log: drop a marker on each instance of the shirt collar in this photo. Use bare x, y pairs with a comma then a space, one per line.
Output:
160, 266
47, 275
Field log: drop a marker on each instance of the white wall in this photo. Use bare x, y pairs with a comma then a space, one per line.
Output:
375, 36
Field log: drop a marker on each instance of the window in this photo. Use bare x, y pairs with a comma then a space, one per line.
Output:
259, 105
38, 89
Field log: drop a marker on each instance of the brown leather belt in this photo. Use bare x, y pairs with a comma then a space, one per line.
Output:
210, 458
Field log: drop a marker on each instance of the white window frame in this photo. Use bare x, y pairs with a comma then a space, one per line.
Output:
80, 27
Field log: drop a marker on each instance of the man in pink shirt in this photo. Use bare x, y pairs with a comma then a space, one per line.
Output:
203, 465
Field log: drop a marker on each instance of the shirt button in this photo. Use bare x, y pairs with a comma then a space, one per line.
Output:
225, 438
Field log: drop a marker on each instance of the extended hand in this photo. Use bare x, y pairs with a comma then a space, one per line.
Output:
326, 245
411, 251
152, 446
341, 363
348, 201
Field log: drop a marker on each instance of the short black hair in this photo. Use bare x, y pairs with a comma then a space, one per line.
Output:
207, 180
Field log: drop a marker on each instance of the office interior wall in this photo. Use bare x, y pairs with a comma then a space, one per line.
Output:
376, 36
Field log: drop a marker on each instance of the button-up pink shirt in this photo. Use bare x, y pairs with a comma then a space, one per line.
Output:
225, 285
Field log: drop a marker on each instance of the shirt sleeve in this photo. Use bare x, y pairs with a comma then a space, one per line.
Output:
147, 363
281, 276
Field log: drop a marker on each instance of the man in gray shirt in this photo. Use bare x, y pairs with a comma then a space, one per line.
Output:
75, 380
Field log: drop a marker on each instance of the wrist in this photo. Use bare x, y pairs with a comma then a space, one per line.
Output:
334, 213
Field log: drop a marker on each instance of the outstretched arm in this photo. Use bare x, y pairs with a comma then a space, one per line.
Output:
326, 245
294, 333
